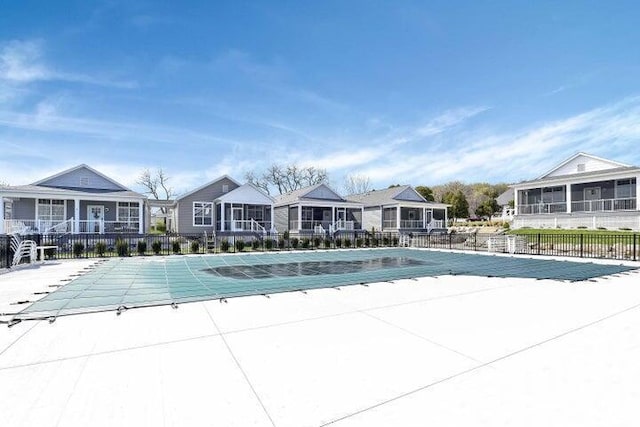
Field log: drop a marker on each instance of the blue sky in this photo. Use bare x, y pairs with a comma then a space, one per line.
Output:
407, 92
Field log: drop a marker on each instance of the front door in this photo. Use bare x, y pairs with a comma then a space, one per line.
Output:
95, 218
236, 219
591, 197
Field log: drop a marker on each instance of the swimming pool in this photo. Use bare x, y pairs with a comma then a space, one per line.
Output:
122, 283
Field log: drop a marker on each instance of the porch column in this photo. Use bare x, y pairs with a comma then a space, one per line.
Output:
362, 218
637, 192
1, 215
424, 217
222, 216
272, 217
446, 218
333, 214
515, 202
299, 218
398, 217
141, 217
76, 215
568, 197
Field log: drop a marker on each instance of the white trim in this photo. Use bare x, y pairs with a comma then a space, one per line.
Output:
1, 215
575, 156
53, 194
597, 176
193, 214
92, 221
64, 172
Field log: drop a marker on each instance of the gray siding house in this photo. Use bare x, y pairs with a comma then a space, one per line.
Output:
77, 200
582, 191
220, 206
401, 209
317, 209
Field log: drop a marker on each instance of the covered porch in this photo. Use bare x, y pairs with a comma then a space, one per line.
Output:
244, 209
44, 214
320, 218
413, 218
600, 196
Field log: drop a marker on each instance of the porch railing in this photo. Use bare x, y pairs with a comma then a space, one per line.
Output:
247, 225
342, 224
29, 226
412, 224
542, 208
308, 225
603, 205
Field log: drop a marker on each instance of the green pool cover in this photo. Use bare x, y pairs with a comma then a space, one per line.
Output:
121, 283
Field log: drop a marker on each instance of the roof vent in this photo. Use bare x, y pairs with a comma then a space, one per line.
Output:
225, 188
84, 181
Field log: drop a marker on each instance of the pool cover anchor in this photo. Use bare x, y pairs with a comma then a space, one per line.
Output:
266, 296
52, 319
13, 322
174, 305
223, 300
120, 309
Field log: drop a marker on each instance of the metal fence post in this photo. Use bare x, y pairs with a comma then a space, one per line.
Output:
581, 245
634, 246
538, 245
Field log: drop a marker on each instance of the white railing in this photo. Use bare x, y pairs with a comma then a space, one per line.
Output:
308, 225
603, 205
413, 224
31, 226
247, 225
342, 224
101, 227
542, 208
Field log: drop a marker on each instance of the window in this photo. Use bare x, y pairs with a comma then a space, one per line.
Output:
225, 188
202, 213
51, 210
624, 188
307, 214
553, 195
256, 212
128, 212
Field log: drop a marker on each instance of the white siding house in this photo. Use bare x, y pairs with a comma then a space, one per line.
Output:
582, 191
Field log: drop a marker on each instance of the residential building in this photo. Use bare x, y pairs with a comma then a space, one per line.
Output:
582, 191
401, 209
77, 200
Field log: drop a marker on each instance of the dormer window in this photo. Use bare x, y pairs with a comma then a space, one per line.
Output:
84, 181
225, 188
581, 167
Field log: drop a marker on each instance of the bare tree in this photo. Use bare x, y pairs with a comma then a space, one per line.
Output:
156, 185
285, 178
356, 184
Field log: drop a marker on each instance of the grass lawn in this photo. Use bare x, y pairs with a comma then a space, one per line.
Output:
524, 231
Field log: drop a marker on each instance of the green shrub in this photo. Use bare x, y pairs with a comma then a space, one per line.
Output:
78, 249
281, 243
305, 243
161, 227
100, 248
367, 241
625, 229
156, 246
359, 242
285, 235
385, 241
316, 242
195, 247
347, 242
239, 245
374, 241
327, 243
122, 248
506, 225
294, 242
601, 228
255, 244
268, 244
338, 243
224, 245
395, 240
176, 247
581, 227
142, 247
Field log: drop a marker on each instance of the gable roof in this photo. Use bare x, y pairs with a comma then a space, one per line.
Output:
504, 198
306, 193
390, 196
81, 166
247, 193
206, 185
611, 164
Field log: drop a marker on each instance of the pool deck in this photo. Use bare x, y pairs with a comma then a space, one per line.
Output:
443, 351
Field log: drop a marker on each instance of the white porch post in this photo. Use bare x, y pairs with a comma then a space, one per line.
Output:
222, 216
76, 215
446, 218
568, 198
141, 217
424, 217
515, 201
333, 214
637, 192
299, 218
272, 218
362, 218
1, 215
398, 217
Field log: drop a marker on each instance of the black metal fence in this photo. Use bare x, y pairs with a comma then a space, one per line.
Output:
619, 246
